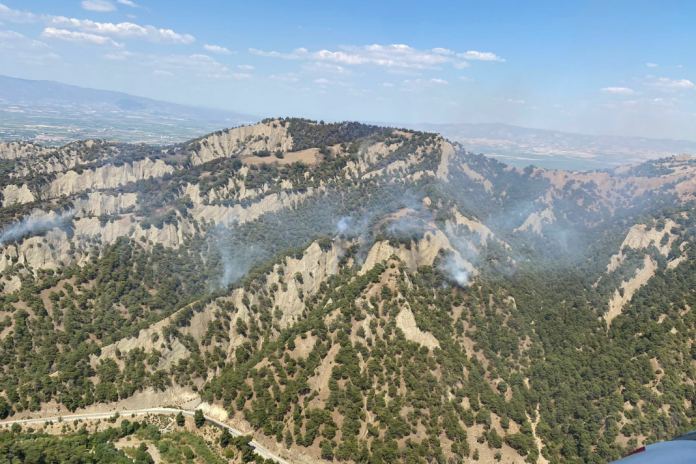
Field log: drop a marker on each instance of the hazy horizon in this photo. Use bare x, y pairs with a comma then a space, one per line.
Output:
531, 65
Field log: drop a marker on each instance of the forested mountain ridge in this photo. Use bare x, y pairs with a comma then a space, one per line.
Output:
352, 292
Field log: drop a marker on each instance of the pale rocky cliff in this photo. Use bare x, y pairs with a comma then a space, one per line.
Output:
244, 140
16, 150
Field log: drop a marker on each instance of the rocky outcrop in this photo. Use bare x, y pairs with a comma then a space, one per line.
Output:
18, 150
454, 228
241, 141
640, 237
422, 253
447, 154
628, 288
228, 214
12, 194
98, 204
536, 221
49, 252
407, 323
108, 176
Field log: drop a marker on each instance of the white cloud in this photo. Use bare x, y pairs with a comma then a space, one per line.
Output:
295, 55
123, 30
238, 76
24, 49
664, 83
120, 56
80, 37
516, 102
247, 67
425, 82
321, 81
618, 90
481, 56
319, 67
16, 16
128, 3
395, 56
159, 72
102, 6
217, 49
387, 84
651, 65
465, 79
12, 39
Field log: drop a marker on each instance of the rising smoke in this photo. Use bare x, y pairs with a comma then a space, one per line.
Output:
455, 270
235, 261
35, 224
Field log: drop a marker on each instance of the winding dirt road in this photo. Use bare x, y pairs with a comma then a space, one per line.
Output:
105, 415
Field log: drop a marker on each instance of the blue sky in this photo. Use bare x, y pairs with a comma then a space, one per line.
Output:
614, 67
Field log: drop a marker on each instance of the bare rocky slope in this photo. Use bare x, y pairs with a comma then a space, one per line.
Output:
352, 292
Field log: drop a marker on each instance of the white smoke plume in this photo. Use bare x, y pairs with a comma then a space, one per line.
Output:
455, 270
34, 223
236, 262
343, 225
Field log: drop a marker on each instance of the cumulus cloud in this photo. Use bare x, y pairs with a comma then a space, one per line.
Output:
128, 3
217, 49
12, 39
664, 83
516, 102
226, 75
387, 84
618, 90
123, 30
101, 6
317, 66
321, 81
16, 16
443, 51
425, 82
388, 56
247, 67
297, 54
481, 56
80, 37
651, 65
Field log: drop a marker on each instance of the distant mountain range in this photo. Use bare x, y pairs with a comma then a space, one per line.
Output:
51, 112
521, 146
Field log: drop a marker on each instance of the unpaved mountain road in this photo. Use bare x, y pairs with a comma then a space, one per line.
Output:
105, 415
